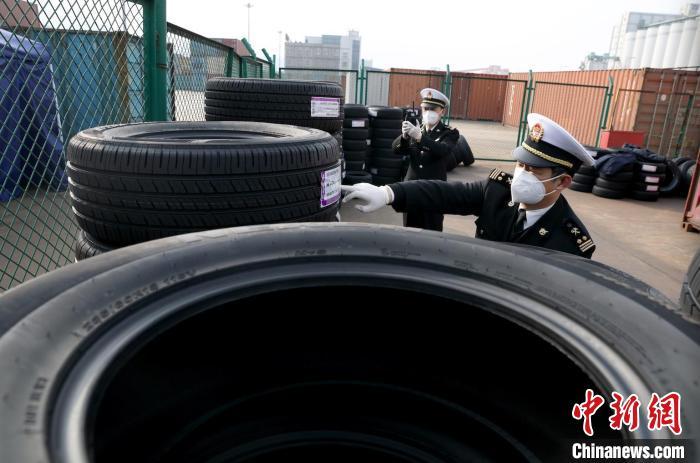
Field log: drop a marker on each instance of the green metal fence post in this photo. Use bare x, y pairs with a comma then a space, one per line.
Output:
525, 110
605, 110
273, 69
362, 81
230, 56
522, 110
155, 60
357, 78
448, 91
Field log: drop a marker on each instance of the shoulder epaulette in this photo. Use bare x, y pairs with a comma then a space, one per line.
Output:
499, 176
579, 236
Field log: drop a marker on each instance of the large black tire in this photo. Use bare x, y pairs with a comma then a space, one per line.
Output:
355, 111
645, 167
354, 177
355, 134
385, 113
86, 246
584, 179
620, 186
680, 160
386, 124
271, 100
185, 349
394, 162
355, 123
646, 187
355, 166
355, 145
138, 182
690, 291
607, 193
463, 152
386, 133
672, 181
591, 171
687, 173
618, 177
583, 187
355, 155
385, 143
379, 180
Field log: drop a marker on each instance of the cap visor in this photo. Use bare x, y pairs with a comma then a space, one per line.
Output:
526, 157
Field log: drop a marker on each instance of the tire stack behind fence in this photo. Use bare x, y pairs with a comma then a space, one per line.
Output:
384, 165
138, 182
356, 138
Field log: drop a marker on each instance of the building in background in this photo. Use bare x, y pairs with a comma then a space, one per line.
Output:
324, 52
595, 62
650, 40
492, 69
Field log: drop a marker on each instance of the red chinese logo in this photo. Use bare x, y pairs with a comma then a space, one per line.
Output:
626, 412
587, 409
662, 412
665, 412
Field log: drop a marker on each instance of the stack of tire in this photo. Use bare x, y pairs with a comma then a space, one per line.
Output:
138, 182
318, 105
356, 139
584, 179
384, 165
690, 290
616, 186
685, 171
648, 178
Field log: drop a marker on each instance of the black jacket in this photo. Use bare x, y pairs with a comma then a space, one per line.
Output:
428, 159
490, 200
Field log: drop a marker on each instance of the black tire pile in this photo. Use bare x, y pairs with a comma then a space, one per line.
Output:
644, 180
138, 182
690, 291
384, 165
356, 139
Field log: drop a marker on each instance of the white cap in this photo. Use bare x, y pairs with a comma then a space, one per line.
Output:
434, 97
549, 145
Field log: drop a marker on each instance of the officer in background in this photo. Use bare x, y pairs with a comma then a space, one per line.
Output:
428, 146
526, 207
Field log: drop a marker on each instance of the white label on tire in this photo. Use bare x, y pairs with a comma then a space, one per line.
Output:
648, 168
652, 187
325, 107
652, 179
372, 112
358, 123
369, 142
330, 186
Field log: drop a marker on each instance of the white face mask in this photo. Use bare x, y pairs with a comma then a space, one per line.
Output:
430, 117
528, 189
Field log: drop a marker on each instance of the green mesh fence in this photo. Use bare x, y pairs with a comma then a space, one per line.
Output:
68, 65
193, 60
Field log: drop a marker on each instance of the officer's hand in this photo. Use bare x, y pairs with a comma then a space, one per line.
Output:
405, 127
413, 131
375, 197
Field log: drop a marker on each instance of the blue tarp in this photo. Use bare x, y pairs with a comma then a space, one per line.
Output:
31, 146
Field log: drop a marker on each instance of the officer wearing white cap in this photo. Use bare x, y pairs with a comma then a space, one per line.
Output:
428, 146
526, 207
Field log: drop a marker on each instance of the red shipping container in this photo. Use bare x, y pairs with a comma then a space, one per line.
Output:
617, 138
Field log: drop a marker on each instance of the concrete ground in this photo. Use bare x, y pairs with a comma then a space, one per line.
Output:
488, 139
643, 239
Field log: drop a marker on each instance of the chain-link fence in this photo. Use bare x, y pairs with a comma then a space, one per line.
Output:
66, 66
669, 122
70, 65
347, 78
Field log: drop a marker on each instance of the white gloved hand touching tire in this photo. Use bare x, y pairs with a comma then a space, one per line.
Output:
374, 197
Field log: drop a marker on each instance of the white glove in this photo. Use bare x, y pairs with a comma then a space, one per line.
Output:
411, 130
375, 197
405, 127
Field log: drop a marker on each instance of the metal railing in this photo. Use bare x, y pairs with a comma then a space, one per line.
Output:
70, 65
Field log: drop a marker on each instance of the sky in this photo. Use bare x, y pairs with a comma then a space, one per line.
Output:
542, 35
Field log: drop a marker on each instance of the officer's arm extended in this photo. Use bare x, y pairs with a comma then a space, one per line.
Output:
439, 196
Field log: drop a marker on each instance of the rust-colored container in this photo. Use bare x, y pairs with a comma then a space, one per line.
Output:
478, 96
405, 85
618, 138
